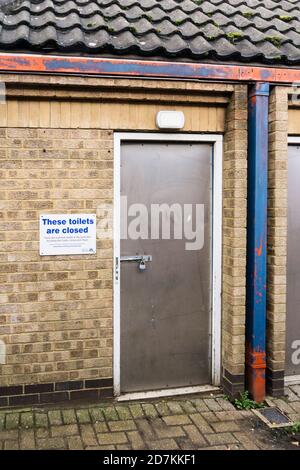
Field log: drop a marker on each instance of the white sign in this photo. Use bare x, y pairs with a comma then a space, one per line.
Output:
67, 234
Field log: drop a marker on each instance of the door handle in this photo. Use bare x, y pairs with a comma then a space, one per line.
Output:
140, 258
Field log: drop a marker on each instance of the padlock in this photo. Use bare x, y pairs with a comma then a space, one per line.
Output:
142, 266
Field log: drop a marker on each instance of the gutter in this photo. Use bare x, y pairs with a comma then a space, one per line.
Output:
33, 63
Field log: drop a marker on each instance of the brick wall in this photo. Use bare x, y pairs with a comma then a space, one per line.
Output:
277, 240
56, 312
234, 242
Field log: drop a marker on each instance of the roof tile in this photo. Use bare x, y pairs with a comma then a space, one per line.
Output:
257, 31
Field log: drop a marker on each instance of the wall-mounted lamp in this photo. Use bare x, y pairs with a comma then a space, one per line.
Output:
170, 120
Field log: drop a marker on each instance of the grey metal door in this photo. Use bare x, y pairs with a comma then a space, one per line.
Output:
293, 264
165, 309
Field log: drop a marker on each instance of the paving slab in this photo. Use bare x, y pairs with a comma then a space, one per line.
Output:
188, 423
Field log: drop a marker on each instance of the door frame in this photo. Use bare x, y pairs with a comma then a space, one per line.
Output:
216, 246
292, 379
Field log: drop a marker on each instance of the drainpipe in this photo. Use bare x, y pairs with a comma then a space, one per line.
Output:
258, 105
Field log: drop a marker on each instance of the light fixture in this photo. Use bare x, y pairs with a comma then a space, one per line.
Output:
170, 120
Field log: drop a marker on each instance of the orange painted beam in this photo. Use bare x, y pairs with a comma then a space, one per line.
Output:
33, 63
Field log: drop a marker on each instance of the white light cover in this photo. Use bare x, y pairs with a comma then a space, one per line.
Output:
170, 120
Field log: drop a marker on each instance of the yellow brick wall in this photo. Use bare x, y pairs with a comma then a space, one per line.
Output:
277, 238
56, 312
234, 237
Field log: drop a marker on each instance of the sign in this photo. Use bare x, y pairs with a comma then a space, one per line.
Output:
67, 234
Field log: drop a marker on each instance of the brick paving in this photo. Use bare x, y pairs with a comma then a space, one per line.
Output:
186, 423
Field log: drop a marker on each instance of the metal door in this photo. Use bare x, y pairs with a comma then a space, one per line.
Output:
165, 308
293, 264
